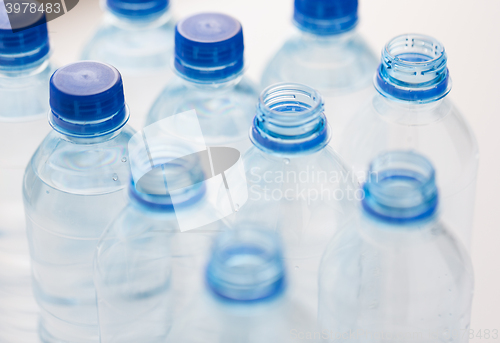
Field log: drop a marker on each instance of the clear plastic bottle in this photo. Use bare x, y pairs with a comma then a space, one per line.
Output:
397, 274
297, 185
73, 187
328, 55
209, 65
146, 268
25, 71
136, 37
246, 298
411, 111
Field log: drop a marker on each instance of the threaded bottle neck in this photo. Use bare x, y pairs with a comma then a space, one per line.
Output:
413, 68
290, 119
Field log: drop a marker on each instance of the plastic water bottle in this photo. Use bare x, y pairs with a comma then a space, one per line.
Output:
136, 37
25, 70
73, 187
246, 299
398, 273
410, 110
209, 65
329, 55
147, 268
297, 184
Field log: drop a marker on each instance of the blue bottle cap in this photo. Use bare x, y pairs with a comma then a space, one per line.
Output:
401, 188
137, 8
208, 47
23, 36
87, 99
326, 17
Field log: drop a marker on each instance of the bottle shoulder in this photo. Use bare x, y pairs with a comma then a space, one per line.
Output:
335, 66
79, 168
132, 50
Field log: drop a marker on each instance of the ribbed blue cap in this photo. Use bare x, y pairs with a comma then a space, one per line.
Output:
23, 36
87, 99
137, 8
209, 46
326, 17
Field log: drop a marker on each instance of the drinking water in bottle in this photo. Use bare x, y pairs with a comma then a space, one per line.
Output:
297, 185
209, 66
25, 70
246, 297
397, 272
136, 37
328, 55
411, 110
74, 185
147, 268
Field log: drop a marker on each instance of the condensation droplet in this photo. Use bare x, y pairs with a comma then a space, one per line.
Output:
236, 207
47, 192
115, 177
124, 159
286, 161
296, 267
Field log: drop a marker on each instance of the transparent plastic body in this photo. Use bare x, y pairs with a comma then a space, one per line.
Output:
146, 268
141, 49
297, 185
73, 188
23, 125
339, 66
438, 131
224, 109
245, 299
409, 283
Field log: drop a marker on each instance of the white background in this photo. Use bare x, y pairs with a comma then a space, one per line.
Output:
470, 31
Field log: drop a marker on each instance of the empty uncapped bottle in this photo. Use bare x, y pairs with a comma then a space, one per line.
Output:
246, 298
396, 273
74, 185
209, 65
136, 37
411, 110
297, 185
25, 70
147, 267
329, 55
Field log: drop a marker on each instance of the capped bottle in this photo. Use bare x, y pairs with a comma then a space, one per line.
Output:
25, 70
74, 185
209, 67
136, 37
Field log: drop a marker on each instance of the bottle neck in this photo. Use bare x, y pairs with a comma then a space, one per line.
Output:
413, 68
290, 121
246, 267
340, 39
91, 139
25, 70
222, 85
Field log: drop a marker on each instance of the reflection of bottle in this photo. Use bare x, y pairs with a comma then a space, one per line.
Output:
397, 270
411, 111
146, 267
328, 55
209, 64
25, 71
297, 185
137, 38
246, 298
73, 187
